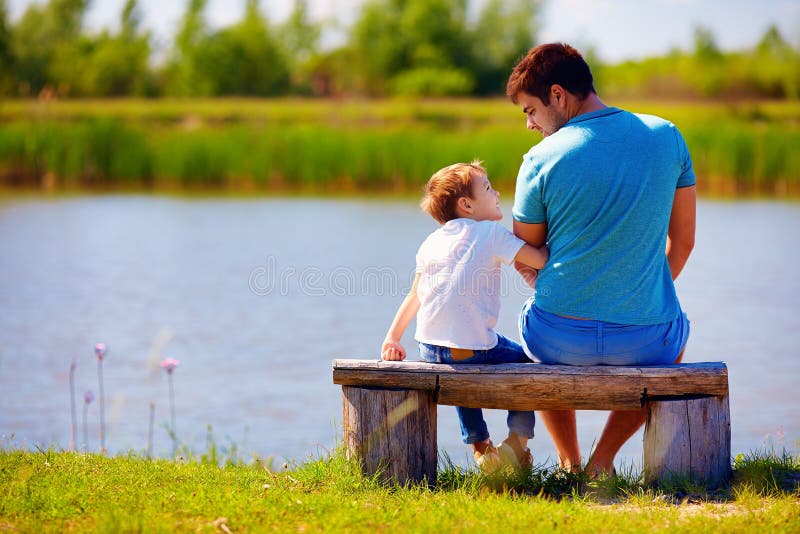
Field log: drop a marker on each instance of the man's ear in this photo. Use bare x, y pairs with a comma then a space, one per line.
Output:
558, 95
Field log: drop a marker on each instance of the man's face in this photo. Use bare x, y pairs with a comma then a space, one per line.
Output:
545, 119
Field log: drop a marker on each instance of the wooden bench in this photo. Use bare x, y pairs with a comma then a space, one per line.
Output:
389, 409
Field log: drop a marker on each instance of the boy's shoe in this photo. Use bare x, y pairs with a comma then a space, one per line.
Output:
513, 455
488, 461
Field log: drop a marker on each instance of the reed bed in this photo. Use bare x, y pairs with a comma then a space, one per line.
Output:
325, 146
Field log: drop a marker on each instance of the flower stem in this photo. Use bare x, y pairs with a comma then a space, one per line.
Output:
172, 414
150, 430
74, 423
102, 406
85, 426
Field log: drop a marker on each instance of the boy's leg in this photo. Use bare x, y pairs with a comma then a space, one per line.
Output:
473, 426
514, 450
520, 423
475, 433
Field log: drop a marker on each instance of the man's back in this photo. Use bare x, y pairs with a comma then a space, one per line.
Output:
604, 185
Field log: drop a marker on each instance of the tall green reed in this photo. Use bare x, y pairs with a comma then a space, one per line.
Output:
384, 149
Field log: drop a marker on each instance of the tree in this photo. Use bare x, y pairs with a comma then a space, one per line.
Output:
298, 34
118, 65
506, 30
300, 40
430, 46
45, 38
376, 48
244, 59
709, 72
705, 45
776, 66
33, 49
394, 37
182, 71
6, 56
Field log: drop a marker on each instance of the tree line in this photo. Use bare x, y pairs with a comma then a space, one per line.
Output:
394, 47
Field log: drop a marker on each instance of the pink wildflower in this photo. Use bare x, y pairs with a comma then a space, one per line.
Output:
170, 364
88, 396
100, 350
780, 436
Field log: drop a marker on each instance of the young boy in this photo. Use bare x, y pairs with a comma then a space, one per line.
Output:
456, 298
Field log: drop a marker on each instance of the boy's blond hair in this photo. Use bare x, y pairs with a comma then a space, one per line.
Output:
446, 186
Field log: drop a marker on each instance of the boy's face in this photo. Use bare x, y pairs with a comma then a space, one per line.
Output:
485, 201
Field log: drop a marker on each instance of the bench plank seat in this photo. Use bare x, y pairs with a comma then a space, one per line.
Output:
531, 386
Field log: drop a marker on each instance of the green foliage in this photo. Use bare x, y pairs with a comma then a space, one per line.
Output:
6, 55
769, 70
33, 47
120, 63
506, 30
767, 473
52, 53
242, 59
299, 38
424, 47
183, 72
705, 45
393, 47
431, 81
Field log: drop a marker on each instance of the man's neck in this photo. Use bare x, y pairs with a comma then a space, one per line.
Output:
587, 105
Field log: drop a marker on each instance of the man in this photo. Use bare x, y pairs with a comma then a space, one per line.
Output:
613, 196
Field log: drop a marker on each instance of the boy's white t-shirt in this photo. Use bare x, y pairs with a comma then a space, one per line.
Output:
459, 285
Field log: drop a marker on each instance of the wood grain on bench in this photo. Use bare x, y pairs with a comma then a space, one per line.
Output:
530, 386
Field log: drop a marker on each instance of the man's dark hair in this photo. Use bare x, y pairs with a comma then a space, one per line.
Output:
547, 65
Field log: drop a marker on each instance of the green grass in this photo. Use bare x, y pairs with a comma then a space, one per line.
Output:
328, 146
65, 492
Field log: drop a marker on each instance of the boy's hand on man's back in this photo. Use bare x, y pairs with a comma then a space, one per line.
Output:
393, 351
528, 273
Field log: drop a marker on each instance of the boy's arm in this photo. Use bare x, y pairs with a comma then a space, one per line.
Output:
532, 256
392, 349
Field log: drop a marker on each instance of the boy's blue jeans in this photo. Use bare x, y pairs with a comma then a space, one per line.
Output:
473, 426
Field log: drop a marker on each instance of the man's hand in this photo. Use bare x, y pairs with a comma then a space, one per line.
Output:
392, 350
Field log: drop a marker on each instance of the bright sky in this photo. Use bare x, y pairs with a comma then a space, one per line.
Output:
618, 29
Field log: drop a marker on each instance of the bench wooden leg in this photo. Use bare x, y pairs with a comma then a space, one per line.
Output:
688, 438
393, 431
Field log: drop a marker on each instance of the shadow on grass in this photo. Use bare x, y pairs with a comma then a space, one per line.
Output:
761, 473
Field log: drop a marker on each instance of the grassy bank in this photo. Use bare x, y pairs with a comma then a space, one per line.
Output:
264, 146
58, 492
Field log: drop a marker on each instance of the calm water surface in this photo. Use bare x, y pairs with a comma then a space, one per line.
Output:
256, 297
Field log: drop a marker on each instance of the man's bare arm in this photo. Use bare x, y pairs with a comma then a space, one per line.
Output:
534, 235
682, 224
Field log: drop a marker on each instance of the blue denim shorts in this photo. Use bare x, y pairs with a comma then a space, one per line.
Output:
552, 339
506, 351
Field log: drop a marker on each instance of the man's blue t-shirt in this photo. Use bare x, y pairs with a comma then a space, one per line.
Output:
604, 183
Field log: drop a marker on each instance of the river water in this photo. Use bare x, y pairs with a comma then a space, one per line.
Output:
256, 297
